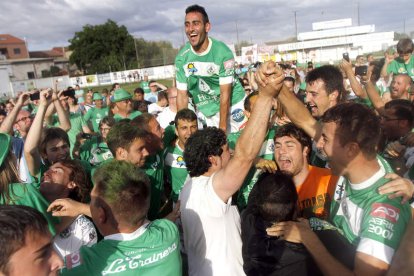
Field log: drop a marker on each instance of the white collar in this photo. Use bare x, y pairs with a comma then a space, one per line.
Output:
370, 181
129, 236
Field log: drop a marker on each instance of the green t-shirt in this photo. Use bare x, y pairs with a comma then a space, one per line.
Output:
131, 116
397, 66
372, 222
151, 250
95, 151
266, 152
145, 86
202, 74
76, 123
154, 168
29, 195
175, 169
95, 115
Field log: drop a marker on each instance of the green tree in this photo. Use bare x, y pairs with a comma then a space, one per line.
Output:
100, 48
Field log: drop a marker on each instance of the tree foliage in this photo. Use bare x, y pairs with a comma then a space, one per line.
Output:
109, 47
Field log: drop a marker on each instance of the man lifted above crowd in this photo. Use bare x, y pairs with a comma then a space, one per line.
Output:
205, 70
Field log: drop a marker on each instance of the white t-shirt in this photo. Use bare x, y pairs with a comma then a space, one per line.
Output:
165, 117
155, 109
211, 230
80, 232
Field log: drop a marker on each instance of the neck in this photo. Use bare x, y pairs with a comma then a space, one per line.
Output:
123, 114
361, 169
202, 47
119, 227
299, 178
180, 144
173, 107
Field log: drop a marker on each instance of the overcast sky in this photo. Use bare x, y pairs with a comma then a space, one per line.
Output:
49, 23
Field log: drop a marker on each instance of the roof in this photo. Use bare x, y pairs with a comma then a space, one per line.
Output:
45, 54
9, 39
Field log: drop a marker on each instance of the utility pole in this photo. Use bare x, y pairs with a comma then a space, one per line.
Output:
238, 43
136, 52
296, 25
358, 14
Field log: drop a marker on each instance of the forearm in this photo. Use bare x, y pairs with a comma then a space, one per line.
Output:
384, 73
182, 99
375, 98
356, 86
7, 125
225, 94
297, 113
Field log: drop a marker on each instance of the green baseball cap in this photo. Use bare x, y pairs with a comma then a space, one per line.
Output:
121, 95
5, 141
96, 96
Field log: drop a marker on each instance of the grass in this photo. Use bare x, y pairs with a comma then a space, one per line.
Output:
130, 87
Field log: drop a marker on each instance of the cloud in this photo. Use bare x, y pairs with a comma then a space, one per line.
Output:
48, 23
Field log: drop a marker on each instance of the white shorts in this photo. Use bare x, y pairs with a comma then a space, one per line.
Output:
235, 121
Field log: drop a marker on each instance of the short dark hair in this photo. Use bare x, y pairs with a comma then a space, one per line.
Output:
247, 102
202, 144
109, 121
200, 9
403, 109
162, 95
355, 123
186, 115
405, 46
332, 78
299, 134
125, 188
142, 121
122, 134
50, 134
274, 197
78, 175
139, 90
16, 222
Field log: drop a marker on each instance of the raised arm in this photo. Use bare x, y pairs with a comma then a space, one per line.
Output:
63, 115
7, 125
225, 95
32, 142
373, 94
228, 180
355, 85
294, 108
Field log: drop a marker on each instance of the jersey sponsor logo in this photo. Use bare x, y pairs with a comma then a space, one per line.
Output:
237, 115
229, 64
204, 87
381, 227
73, 260
386, 211
210, 70
134, 262
180, 161
191, 68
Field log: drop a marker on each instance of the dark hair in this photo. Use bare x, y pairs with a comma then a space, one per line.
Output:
122, 134
332, 78
141, 106
376, 71
125, 188
50, 134
355, 123
78, 175
16, 222
109, 121
185, 115
162, 95
142, 121
291, 130
405, 46
274, 197
202, 144
403, 109
139, 90
200, 9
247, 103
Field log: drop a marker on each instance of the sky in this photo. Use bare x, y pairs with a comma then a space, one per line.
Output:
49, 23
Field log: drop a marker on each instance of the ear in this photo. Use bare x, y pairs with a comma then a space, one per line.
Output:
121, 154
212, 160
352, 149
208, 27
101, 214
305, 151
71, 185
175, 131
334, 96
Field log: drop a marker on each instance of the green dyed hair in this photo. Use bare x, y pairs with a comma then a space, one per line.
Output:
125, 188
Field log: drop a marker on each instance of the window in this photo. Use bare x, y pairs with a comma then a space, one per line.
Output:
16, 51
30, 75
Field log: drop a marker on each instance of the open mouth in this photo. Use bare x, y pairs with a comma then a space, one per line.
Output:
284, 163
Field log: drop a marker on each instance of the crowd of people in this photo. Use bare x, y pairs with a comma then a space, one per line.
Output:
268, 169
